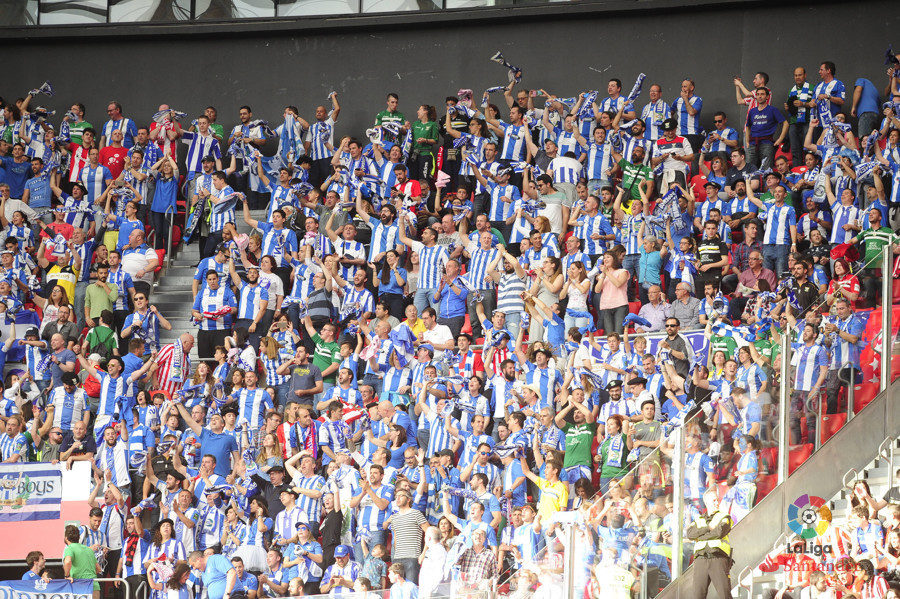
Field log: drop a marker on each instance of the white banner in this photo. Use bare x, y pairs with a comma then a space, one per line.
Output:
30, 492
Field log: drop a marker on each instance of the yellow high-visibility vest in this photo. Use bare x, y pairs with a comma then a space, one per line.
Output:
720, 544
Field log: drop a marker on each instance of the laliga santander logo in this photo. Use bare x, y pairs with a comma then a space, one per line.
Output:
808, 516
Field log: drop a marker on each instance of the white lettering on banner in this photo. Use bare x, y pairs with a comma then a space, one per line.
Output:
30, 492
40, 589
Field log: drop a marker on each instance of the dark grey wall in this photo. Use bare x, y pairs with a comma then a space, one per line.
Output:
563, 49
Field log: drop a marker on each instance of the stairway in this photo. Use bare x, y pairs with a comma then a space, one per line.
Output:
172, 293
877, 476
846, 455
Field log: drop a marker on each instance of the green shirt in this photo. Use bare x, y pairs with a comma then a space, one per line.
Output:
389, 117
101, 335
422, 130
84, 564
579, 438
326, 354
632, 175
217, 130
97, 299
609, 470
75, 130
724, 344
874, 246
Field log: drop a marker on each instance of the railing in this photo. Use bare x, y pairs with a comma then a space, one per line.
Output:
170, 214
85, 12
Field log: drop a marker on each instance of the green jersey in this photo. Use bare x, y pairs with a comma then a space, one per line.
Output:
579, 438
632, 175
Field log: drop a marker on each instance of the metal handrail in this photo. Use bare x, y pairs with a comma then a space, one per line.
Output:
122, 580
891, 444
171, 212
747, 572
142, 587
855, 473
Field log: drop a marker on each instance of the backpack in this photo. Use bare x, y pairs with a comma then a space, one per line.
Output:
100, 348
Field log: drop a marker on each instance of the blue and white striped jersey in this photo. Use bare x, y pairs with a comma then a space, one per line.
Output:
312, 507
779, 220
833, 88
808, 360
278, 243
210, 301
566, 170
726, 134
591, 225
218, 218
199, 146
500, 209
432, 260
125, 125
280, 197
369, 516
70, 407
687, 124
384, 238
653, 115
844, 215
321, 137
250, 299
253, 405
115, 459
513, 142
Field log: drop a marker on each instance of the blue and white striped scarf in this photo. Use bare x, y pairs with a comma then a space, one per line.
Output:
635, 92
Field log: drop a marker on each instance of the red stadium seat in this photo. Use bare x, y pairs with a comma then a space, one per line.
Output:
799, 169
634, 307
161, 255
895, 367
768, 460
797, 455
863, 395
764, 485
467, 327
697, 187
831, 424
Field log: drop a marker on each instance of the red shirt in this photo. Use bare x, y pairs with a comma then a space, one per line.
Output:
161, 141
114, 159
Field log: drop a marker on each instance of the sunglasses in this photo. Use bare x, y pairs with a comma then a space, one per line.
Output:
718, 121
485, 452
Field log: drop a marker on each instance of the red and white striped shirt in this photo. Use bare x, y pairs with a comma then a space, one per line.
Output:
166, 362
78, 162
875, 588
469, 365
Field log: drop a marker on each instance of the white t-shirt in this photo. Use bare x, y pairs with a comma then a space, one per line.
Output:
440, 334
132, 262
276, 287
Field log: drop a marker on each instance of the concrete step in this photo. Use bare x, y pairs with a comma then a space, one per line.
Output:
176, 279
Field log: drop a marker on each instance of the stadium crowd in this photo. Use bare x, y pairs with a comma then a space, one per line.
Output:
449, 338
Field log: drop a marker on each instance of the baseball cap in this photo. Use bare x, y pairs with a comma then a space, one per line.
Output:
69, 378
669, 124
208, 158
341, 551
